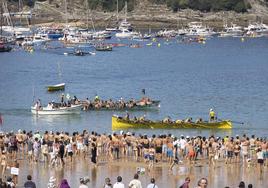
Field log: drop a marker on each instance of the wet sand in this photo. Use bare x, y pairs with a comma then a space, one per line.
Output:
219, 176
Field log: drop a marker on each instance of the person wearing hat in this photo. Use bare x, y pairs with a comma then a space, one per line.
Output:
212, 115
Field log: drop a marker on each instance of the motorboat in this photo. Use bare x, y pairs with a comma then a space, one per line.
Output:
59, 110
56, 87
126, 34
231, 31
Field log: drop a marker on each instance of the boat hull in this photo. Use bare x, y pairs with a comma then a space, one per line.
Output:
153, 105
74, 109
57, 87
120, 123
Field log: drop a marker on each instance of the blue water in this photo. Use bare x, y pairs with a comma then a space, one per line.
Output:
225, 74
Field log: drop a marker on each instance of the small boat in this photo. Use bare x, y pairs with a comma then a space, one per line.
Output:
119, 123
4, 48
49, 110
103, 47
56, 87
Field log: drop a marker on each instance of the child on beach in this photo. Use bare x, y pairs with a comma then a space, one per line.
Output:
15, 176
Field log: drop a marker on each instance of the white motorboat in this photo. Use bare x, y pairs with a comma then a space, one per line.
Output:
50, 110
126, 34
256, 29
197, 29
231, 31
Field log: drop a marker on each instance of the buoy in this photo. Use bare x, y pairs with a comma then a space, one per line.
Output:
158, 44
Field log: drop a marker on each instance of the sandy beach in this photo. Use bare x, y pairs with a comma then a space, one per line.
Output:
219, 176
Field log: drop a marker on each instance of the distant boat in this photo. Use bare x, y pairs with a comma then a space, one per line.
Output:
103, 47
56, 87
4, 48
73, 109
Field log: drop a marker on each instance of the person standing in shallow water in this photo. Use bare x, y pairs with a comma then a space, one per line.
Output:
94, 154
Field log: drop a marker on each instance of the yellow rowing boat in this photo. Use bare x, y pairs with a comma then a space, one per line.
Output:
119, 123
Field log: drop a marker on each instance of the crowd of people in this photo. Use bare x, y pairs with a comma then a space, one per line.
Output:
58, 148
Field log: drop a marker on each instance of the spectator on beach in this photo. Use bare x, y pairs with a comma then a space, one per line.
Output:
15, 164
260, 160
242, 184
202, 183
119, 183
186, 183
107, 183
94, 154
83, 182
10, 183
64, 184
135, 183
52, 182
152, 184
29, 183
3, 162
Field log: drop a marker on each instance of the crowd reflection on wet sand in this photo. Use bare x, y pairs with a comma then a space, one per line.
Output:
220, 175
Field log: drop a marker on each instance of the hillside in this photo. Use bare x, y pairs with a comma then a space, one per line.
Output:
142, 13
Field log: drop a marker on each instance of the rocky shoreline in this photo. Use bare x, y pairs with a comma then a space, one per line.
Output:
144, 16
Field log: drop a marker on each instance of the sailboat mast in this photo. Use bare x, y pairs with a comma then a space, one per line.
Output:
87, 15
117, 10
1, 11
126, 11
66, 16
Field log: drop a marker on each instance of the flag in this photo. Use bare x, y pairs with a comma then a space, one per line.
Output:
1, 119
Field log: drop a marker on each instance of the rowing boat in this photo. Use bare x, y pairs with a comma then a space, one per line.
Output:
154, 104
73, 109
56, 87
119, 123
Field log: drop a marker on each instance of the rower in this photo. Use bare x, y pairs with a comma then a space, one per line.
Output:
62, 99
97, 98
126, 116
212, 115
199, 120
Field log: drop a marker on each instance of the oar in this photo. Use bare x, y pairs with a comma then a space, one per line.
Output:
238, 122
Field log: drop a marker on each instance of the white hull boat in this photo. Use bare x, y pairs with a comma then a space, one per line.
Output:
73, 109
